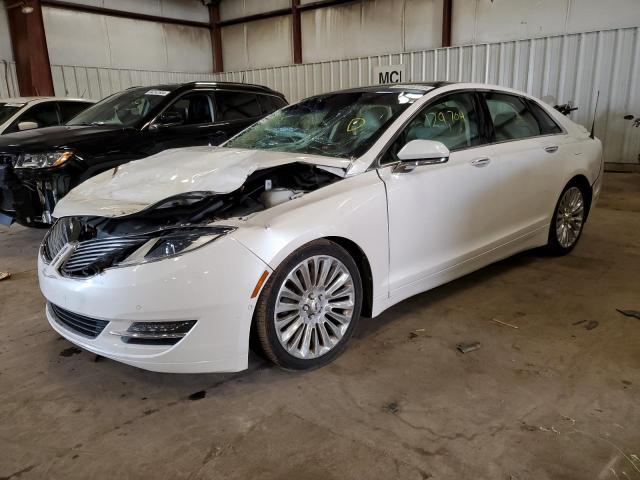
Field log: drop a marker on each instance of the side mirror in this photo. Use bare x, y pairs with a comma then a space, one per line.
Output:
27, 126
421, 152
170, 118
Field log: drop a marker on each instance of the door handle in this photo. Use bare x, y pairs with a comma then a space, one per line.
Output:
551, 149
481, 162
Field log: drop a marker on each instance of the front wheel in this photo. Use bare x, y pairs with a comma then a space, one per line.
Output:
568, 221
309, 307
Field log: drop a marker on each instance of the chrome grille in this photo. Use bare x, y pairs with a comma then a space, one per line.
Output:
61, 233
86, 326
90, 256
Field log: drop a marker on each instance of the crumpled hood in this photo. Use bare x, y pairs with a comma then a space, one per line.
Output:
134, 186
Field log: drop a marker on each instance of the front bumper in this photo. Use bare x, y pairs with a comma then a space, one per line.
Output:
211, 285
29, 196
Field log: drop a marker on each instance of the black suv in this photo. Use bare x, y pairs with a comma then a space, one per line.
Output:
39, 167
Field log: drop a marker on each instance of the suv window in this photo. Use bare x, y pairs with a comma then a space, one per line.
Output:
196, 108
44, 114
548, 126
71, 109
270, 104
452, 120
512, 119
237, 105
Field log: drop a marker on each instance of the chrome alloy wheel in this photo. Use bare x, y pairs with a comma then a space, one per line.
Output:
569, 217
314, 307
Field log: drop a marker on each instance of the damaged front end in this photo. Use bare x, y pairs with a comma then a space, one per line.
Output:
28, 193
83, 246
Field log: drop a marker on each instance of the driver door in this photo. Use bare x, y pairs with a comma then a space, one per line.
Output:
441, 216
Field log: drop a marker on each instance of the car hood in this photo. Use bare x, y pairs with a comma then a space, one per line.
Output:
132, 187
53, 138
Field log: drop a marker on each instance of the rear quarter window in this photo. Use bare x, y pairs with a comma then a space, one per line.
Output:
548, 125
237, 105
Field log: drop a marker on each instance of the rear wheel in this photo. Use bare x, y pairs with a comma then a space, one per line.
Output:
568, 220
310, 307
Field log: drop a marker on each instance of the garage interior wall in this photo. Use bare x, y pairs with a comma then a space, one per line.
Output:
8, 79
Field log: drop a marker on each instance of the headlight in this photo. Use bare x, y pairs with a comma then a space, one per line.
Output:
42, 160
174, 242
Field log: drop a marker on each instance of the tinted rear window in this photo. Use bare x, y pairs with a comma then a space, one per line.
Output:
237, 105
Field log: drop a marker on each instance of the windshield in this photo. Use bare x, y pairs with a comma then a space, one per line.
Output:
123, 109
341, 125
8, 109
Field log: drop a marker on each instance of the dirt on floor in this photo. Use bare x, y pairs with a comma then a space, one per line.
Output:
553, 392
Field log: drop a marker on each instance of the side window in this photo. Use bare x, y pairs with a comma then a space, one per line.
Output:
452, 120
548, 126
44, 114
71, 109
195, 108
237, 105
267, 103
512, 120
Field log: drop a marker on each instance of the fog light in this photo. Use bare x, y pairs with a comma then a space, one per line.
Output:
156, 333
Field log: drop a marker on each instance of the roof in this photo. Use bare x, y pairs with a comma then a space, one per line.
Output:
39, 99
235, 85
391, 87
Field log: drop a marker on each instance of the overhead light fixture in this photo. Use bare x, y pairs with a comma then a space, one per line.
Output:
26, 8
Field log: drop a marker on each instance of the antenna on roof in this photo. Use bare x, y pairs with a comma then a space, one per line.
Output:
595, 111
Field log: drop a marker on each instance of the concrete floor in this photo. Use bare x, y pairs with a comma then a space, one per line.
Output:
556, 398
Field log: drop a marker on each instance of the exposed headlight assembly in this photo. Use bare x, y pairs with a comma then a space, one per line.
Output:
174, 242
43, 160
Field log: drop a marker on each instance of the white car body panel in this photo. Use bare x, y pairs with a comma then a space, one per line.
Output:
28, 102
172, 172
471, 216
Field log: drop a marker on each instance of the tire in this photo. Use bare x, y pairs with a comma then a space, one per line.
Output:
317, 311
568, 220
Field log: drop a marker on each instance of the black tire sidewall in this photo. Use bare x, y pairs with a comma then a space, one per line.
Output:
282, 357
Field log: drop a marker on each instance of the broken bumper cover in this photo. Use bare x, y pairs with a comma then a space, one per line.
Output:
211, 286
29, 196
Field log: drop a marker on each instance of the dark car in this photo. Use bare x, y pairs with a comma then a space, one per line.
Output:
39, 167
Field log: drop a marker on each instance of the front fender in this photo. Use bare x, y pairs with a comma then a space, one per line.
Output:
354, 208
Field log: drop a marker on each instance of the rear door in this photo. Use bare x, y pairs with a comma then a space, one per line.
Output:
528, 145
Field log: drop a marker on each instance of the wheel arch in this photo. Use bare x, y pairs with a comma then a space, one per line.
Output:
364, 267
583, 184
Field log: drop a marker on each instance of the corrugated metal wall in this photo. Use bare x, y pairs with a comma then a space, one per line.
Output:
568, 67
8, 79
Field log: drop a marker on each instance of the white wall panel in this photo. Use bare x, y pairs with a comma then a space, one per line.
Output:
230, 9
8, 80
192, 10
257, 44
78, 38
479, 21
6, 52
370, 27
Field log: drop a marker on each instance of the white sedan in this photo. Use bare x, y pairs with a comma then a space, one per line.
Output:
327, 210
